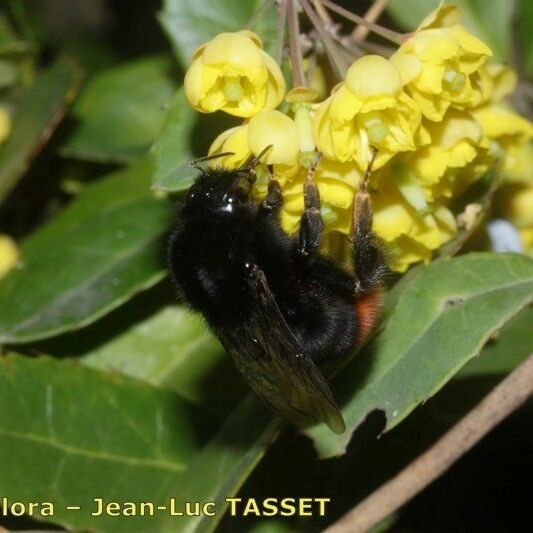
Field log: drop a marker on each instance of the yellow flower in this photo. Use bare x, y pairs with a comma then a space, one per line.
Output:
519, 203
277, 129
369, 110
498, 81
514, 201
234, 74
411, 235
526, 235
234, 140
440, 64
454, 159
5, 124
9, 254
266, 128
509, 135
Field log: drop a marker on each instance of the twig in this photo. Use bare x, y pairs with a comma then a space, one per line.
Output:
295, 45
350, 49
390, 35
322, 12
282, 22
512, 392
360, 32
375, 48
336, 59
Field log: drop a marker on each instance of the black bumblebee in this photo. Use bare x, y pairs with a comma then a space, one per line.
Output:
279, 306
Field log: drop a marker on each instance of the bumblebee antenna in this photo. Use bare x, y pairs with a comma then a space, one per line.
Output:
254, 161
366, 176
209, 158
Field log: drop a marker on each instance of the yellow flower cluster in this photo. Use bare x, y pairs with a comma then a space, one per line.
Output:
433, 112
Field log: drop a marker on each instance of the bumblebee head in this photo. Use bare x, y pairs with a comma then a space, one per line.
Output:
222, 191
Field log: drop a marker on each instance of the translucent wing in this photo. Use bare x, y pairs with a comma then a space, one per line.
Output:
274, 364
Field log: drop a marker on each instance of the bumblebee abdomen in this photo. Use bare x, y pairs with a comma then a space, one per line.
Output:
367, 308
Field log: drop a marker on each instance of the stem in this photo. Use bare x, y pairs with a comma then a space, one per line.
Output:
257, 15
337, 60
322, 12
294, 44
512, 392
353, 51
390, 35
360, 33
375, 48
282, 23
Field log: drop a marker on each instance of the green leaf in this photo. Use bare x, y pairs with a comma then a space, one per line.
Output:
172, 150
490, 20
524, 20
72, 434
40, 109
190, 24
173, 348
185, 136
441, 320
232, 455
100, 251
506, 350
10, 43
121, 110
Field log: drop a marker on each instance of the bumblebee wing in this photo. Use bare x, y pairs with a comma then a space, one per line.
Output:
274, 364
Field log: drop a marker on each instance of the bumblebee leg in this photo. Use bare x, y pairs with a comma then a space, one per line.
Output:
368, 257
311, 223
273, 200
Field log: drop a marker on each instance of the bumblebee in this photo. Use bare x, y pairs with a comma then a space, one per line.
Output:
279, 305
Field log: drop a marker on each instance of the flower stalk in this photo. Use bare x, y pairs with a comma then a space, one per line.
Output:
390, 35
337, 60
282, 27
298, 79
360, 33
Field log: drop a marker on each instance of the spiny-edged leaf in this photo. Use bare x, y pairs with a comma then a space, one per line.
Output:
101, 250
190, 24
490, 20
440, 321
506, 350
172, 150
524, 19
185, 136
71, 434
121, 110
40, 109
173, 348
218, 471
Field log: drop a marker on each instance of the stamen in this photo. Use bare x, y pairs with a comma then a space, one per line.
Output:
376, 129
232, 89
454, 80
